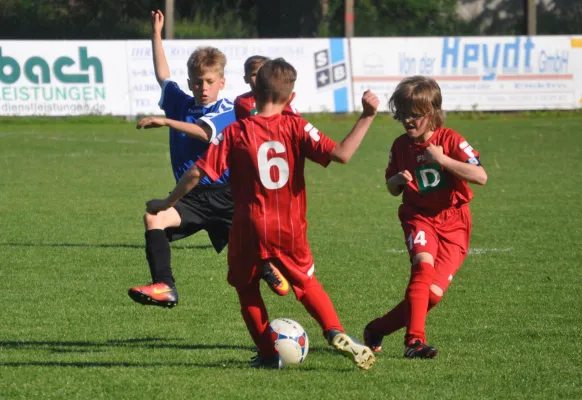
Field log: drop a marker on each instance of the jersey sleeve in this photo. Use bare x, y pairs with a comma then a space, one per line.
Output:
314, 144
215, 160
220, 119
172, 99
392, 168
459, 149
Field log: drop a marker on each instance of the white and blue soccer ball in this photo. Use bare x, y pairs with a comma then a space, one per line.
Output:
290, 340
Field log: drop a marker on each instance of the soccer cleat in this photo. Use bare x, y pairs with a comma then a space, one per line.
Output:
372, 339
155, 294
360, 354
274, 362
417, 349
275, 280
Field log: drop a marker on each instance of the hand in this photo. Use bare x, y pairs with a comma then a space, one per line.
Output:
403, 177
151, 122
156, 205
433, 153
157, 22
370, 103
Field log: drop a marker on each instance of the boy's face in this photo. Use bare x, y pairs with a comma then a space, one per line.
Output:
416, 125
251, 77
205, 85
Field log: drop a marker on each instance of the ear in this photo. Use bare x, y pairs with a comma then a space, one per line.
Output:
291, 98
247, 80
222, 82
190, 84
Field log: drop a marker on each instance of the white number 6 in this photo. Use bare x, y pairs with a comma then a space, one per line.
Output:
265, 165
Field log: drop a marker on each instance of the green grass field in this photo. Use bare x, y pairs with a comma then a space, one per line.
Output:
72, 195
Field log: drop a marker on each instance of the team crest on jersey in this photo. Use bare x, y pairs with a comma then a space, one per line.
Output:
430, 178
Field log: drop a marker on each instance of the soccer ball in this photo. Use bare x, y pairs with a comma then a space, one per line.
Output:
290, 340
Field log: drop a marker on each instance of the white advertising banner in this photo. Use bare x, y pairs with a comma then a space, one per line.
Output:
323, 73
63, 78
475, 73
58, 78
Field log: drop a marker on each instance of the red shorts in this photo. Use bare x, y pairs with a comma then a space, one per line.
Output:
243, 271
445, 236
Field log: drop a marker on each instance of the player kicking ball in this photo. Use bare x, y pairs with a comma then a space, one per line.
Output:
266, 155
431, 166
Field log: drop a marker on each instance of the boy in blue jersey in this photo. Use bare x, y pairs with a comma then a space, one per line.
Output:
193, 122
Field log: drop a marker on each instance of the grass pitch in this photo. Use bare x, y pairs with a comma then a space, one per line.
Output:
72, 196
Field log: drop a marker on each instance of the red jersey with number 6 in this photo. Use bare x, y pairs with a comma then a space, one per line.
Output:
266, 158
432, 189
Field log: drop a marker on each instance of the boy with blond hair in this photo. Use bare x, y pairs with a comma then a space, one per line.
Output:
267, 154
194, 121
431, 166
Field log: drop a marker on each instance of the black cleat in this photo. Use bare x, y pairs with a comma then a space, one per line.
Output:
372, 339
417, 349
274, 362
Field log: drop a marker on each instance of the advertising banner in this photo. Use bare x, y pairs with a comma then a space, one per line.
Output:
63, 78
323, 73
474, 73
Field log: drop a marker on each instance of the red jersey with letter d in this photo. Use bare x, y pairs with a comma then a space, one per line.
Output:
432, 189
266, 158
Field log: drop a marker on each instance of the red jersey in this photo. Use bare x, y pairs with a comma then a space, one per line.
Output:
432, 189
245, 106
266, 158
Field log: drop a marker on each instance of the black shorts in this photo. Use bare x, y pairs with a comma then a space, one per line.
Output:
206, 207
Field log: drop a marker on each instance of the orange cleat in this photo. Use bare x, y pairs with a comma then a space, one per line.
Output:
275, 280
155, 294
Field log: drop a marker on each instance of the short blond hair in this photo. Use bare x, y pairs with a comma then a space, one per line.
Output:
418, 95
206, 59
275, 81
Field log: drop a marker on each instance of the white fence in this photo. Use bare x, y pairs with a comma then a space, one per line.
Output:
475, 73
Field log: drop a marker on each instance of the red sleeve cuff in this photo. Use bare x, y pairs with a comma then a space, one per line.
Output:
203, 165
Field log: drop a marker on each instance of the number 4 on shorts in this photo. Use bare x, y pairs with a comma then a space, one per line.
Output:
420, 238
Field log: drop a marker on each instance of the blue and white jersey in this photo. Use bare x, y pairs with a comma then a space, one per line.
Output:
185, 150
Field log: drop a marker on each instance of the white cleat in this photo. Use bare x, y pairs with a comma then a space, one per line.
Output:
360, 354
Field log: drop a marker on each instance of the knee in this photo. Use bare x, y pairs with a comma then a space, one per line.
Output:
148, 220
425, 258
153, 221
435, 295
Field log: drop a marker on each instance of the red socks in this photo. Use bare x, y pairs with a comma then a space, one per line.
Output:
314, 299
318, 304
256, 318
417, 294
395, 319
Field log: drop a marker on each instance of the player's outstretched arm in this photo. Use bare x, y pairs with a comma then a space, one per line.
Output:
468, 172
187, 182
160, 63
344, 150
203, 133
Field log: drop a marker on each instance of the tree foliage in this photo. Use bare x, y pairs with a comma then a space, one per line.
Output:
123, 19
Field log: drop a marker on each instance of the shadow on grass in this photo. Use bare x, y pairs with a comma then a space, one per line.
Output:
141, 343
105, 364
144, 343
104, 245
87, 346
